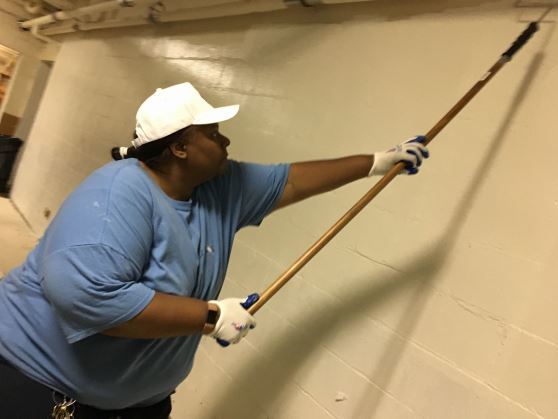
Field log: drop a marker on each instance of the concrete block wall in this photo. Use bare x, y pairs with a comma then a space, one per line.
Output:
438, 300
22, 86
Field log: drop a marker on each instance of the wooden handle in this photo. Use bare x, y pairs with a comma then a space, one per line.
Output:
376, 189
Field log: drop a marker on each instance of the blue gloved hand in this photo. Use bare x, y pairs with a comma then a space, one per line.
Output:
411, 152
234, 320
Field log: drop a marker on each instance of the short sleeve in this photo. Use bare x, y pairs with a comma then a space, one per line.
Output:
92, 288
95, 252
261, 187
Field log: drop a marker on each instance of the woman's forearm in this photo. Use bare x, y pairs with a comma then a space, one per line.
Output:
165, 316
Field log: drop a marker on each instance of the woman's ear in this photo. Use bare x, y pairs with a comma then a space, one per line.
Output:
179, 150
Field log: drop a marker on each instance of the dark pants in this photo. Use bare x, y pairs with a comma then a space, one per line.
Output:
23, 398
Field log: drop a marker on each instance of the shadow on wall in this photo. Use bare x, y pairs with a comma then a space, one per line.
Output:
430, 263
257, 384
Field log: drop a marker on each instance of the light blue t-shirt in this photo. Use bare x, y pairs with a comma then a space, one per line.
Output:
115, 241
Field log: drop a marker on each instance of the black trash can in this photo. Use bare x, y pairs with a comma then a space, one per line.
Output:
9, 146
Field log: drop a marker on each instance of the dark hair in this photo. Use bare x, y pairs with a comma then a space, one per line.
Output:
153, 153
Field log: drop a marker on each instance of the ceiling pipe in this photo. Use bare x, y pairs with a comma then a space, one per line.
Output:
228, 9
218, 8
71, 14
88, 26
243, 7
36, 34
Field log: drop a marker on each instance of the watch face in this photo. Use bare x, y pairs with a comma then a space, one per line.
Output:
211, 317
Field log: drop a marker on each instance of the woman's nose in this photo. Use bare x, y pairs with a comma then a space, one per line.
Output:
225, 140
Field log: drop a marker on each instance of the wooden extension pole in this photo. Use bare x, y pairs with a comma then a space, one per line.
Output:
388, 177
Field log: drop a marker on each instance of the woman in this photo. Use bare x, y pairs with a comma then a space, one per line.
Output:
104, 317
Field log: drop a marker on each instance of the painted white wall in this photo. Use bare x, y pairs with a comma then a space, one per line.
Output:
21, 86
40, 82
438, 301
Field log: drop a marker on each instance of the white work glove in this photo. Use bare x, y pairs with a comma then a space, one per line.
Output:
411, 152
234, 320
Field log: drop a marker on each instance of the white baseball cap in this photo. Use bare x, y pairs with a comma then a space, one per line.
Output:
173, 108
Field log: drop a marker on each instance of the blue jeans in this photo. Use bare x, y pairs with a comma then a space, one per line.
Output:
23, 398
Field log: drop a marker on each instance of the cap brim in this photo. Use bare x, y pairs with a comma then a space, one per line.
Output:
216, 115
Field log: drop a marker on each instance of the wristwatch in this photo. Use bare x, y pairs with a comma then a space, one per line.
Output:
211, 319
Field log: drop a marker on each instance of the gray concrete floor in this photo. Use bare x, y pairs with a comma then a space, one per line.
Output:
16, 238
